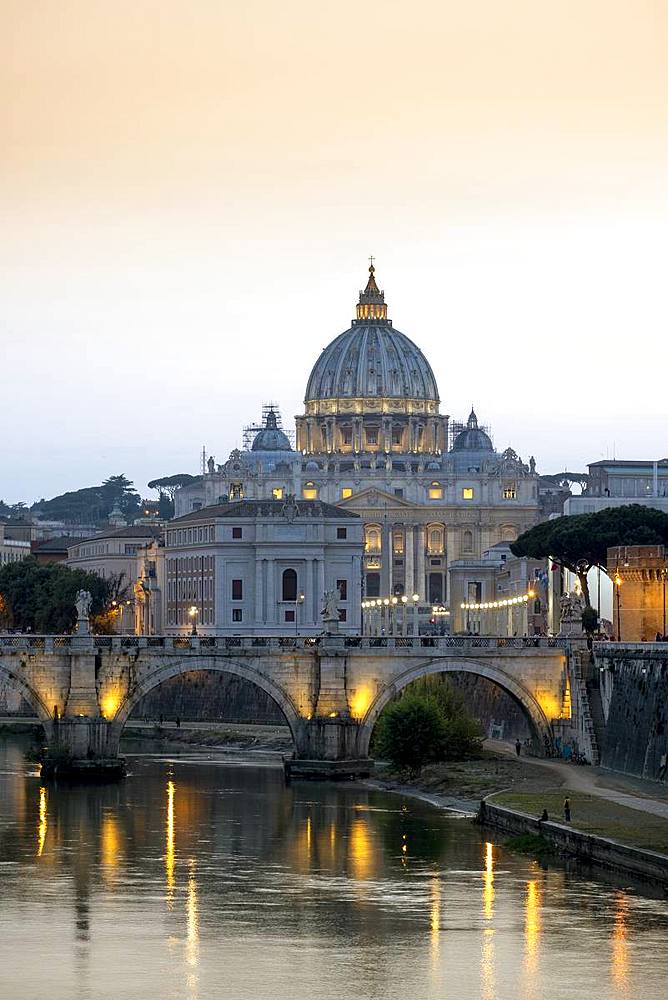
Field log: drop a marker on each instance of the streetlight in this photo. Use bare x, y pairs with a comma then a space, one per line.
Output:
416, 624
618, 583
192, 611
299, 599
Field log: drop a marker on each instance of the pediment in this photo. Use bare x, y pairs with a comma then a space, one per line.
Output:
373, 497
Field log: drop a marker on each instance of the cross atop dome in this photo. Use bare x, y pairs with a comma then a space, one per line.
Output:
371, 306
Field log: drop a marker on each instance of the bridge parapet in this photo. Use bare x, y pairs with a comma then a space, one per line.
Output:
195, 643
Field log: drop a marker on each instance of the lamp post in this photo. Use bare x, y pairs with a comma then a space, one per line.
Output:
416, 622
664, 574
192, 611
404, 602
618, 584
299, 599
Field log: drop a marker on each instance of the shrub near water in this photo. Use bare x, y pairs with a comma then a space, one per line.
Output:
428, 724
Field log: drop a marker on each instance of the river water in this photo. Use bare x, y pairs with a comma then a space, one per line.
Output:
197, 878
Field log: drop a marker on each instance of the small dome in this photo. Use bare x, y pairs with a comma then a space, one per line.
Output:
433, 466
312, 467
271, 437
472, 438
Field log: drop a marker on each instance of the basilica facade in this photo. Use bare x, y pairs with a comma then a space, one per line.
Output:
372, 440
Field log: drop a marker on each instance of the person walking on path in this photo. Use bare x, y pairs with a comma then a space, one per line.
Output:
518, 748
567, 809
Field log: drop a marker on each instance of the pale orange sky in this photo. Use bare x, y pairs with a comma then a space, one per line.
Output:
189, 192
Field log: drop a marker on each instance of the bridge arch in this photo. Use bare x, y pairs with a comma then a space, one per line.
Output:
20, 684
538, 721
180, 667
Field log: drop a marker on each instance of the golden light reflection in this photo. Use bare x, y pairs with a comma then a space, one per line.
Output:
110, 841
531, 926
620, 947
488, 882
192, 918
42, 822
435, 918
169, 845
487, 979
332, 839
361, 851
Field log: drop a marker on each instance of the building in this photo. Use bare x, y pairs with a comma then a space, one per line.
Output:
499, 594
119, 555
262, 567
12, 549
616, 483
640, 576
372, 440
53, 550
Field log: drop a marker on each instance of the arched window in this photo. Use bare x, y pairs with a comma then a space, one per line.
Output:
467, 541
398, 541
435, 540
310, 491
508, 533
289, 585
435, 491
372, 539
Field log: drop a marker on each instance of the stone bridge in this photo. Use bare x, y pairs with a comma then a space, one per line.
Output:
330, 689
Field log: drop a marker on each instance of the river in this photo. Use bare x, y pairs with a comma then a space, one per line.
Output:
197, 878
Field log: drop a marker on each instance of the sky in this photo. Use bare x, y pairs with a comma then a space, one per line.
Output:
189, 193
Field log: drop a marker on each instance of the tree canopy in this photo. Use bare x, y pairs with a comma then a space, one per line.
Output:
41, 598
170, 484
581, 541
92, 504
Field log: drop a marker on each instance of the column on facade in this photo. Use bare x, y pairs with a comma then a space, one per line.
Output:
320, 589
270, 590
420, 582
386, 554
409, 567
259, 602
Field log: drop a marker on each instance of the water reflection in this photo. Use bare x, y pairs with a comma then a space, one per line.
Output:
169, 845
273, 886
42, 822
620, 947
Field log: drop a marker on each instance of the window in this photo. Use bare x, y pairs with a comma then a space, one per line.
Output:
372, 436
237, 590
289, 585
398, 542
372, 538
510, 491
342, 587
435, 541
346, 492
372, 585
467, 493
435, 491
237, 615
398, 491
397, 435
289, 616
236, 491
343, 614
474, 593
197, 505
277, 493
310, 491
435, 588
341, 532
467, 541
237, 533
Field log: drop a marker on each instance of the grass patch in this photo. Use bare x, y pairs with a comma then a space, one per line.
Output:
531, 844
594, 815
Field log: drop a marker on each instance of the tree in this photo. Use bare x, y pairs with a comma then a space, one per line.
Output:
581, 541
411, 732
42, 598
170, 484
92, 504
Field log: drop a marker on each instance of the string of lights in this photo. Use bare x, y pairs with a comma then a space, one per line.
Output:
495, 605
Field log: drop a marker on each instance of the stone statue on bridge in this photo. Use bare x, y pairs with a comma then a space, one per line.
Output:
82, 603
570, 622
330, 612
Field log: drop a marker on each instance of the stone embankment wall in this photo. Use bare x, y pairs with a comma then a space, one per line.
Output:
584, 846
633, 685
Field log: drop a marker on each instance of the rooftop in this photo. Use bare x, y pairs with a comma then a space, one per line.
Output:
266, 508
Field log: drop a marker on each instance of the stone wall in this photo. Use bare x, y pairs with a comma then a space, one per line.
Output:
634, 695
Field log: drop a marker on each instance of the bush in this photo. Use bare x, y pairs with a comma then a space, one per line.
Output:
411, 732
